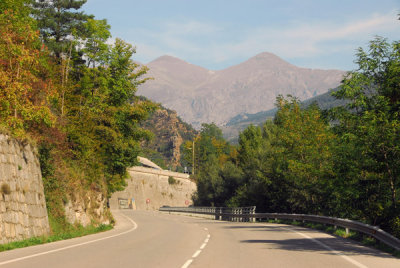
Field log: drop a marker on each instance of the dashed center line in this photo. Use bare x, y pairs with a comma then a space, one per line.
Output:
186, 265
197, 253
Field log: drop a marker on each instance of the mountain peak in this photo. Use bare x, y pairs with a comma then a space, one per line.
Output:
168, 59
249, 87
268, 58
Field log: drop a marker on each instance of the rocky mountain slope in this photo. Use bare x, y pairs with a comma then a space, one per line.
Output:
170, 132
203, 96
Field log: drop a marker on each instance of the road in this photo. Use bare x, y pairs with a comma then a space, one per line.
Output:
153, 239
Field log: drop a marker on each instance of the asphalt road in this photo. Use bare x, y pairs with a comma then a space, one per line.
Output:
153, 239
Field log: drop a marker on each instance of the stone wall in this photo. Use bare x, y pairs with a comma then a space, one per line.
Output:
150, 189
23, 212
86, 207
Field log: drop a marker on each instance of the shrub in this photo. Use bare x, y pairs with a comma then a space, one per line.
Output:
5, 188
172, 180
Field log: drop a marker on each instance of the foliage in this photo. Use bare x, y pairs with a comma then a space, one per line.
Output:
25, 89
64, 86
172, 180
343, 163
369, 131
57, 21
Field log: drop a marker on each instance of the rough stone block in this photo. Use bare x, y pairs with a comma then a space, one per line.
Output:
24, 208
2, 207
7, 229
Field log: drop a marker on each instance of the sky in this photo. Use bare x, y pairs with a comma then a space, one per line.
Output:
216, 34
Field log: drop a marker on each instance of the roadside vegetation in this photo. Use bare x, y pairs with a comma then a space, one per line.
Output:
343, 162
68, 91
71, 232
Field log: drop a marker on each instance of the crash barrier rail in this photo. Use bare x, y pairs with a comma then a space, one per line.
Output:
231, 214
220, 213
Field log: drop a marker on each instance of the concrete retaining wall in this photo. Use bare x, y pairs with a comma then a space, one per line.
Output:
23, 211
150, 189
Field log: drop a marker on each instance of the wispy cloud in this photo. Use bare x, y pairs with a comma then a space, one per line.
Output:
190, 39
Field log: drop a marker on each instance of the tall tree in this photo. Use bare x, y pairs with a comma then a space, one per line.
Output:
306, 154
371, 126
25, 87
58, 21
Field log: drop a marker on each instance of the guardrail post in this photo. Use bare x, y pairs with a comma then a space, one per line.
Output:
347, 231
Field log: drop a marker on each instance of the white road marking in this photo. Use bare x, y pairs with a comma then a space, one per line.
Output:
72, 246
356, 263
197, 253
186, 265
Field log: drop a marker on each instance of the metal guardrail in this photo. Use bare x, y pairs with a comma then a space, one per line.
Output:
248, 214
239, 214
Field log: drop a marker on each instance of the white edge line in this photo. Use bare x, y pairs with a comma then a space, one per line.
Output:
203, 246
73, 246
356, 263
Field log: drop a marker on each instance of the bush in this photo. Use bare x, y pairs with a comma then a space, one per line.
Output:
5, 188
172, 180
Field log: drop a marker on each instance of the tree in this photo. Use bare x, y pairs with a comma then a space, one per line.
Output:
306, 154
96, 49
58, 21
25, 87
211, 154
370, 125
105, 114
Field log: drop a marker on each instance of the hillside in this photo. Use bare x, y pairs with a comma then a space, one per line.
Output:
169, 134
238, 123
203, 96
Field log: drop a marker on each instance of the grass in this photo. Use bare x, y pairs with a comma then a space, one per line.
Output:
75, 231
356, 236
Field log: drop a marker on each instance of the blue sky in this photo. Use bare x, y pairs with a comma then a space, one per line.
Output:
216, 34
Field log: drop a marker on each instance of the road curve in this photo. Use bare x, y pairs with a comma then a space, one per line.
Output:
152, 239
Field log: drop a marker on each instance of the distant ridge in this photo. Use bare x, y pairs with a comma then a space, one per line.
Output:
240, 122
203, 96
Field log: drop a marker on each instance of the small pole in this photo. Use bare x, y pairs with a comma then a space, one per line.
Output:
193, 157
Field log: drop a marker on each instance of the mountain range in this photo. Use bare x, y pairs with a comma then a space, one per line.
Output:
204, 96
238, 123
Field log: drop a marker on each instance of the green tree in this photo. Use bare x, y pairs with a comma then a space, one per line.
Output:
96, 49
306, 155
370, 127
105, 114
25, 87
211, 154
58, 21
